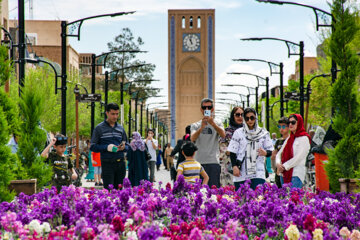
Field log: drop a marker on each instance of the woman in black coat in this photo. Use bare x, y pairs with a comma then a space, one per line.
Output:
138, 168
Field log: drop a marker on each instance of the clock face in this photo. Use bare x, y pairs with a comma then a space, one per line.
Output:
191, 42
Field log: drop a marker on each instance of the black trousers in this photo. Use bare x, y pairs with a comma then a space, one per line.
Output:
113, 172
213, 171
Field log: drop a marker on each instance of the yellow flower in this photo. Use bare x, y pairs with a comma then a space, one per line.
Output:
318, 234
292, 232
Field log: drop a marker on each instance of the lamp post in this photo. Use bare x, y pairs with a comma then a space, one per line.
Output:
308, 95
8, 39
290, 45
319, 13
235, 93
103, 57
64, 34
280, 72
258, 78
22, 44
267, 96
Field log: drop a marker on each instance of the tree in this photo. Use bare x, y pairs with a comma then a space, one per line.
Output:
344, 160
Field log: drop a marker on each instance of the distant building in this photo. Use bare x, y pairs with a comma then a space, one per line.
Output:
43, 40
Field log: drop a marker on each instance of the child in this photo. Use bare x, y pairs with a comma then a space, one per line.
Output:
190, 168
96, 162
61, 164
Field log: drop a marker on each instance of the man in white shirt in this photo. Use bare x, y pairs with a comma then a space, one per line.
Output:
151, 145
205, 133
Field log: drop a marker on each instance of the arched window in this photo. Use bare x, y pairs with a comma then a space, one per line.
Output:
199, 22
191, 22
183, 25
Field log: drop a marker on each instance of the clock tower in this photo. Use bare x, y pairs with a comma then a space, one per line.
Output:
191, 37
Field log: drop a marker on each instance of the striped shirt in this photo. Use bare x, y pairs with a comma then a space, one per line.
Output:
191, 170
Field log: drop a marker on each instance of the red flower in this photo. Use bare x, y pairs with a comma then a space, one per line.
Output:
185, 228
213, 187
120, 186
174, 228
166, 233
141, 191
218, 197
200, 223
168, 186
117, 223
309, 223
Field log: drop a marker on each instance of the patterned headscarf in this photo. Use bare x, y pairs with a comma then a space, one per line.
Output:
137, 143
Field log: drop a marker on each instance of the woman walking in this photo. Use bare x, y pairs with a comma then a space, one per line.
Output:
248, 148
290, 160
236, 121
138, 168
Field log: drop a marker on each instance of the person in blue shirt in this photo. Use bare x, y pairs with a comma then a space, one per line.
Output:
109, 138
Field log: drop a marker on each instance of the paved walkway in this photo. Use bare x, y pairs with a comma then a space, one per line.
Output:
160, 176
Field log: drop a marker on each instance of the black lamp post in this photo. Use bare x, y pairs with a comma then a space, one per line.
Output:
319, 13
267, 96
280, 72
64, 34
8, 39
290, 45
22, 44
235, 93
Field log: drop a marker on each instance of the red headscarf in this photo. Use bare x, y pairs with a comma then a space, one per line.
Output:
288, 149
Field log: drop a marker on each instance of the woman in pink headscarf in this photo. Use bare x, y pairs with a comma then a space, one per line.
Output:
291, 158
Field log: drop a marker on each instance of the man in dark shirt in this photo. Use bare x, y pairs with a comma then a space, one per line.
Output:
109, 138
283, 125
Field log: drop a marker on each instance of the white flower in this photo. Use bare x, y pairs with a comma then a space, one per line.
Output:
202, 206
46, 227
132, 235
129, 222
203, 191
7, 235
213, 198
131, 200
34, 225
292, 232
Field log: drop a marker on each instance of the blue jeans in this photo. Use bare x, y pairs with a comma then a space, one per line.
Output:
295, 181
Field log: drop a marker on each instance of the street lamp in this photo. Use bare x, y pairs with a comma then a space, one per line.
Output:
291, 45
308, 95
102, 59
258, 78
280, 72
73, 26
235, 93
267, 95
8, 39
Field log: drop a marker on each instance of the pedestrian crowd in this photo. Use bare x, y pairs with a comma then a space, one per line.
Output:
208, 152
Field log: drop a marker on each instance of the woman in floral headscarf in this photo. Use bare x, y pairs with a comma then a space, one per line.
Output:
290, 160
248, 148
236, 121
138, 168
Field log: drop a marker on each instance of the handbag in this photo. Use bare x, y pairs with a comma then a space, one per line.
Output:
147, 154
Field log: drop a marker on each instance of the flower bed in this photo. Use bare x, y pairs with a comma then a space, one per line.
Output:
183, 212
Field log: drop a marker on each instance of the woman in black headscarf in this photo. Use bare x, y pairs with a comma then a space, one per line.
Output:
236, 121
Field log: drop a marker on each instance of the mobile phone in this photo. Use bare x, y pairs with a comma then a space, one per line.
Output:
207, 113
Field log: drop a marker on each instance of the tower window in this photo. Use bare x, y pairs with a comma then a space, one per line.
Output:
183, 25
199, 22
191, 22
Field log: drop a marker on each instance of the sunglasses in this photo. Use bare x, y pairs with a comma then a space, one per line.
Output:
292, 122
252, 118
61, 138
282, 126
239, 114
206, 107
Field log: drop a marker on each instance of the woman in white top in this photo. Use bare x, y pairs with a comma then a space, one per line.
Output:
291, 159
248, 147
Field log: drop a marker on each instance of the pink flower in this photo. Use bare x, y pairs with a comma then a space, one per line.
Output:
196, 234
355, 235
139, 215
344, 232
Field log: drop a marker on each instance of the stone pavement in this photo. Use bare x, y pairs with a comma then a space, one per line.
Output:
160, 176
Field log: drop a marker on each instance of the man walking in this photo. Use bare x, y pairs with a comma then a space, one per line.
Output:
109, 138
151, 145
205, 133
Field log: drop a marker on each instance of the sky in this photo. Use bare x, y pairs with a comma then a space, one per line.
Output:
234, 19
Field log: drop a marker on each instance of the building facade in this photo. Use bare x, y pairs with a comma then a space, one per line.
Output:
191, 37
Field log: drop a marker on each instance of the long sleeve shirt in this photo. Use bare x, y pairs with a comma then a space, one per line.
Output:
104, 135
301, 147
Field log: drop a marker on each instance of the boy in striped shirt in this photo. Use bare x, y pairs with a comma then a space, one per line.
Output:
190, 168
